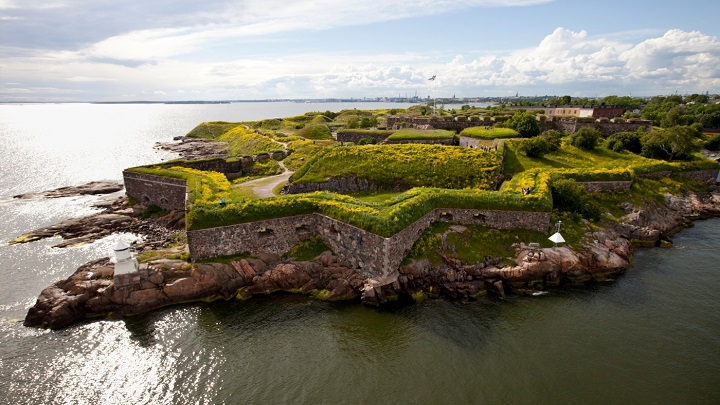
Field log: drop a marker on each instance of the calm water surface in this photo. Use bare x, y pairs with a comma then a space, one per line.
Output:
651, 336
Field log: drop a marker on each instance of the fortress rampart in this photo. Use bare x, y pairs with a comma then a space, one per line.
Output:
164, 192
604, 125
372, 255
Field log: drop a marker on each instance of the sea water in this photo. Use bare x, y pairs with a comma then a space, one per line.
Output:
650, 336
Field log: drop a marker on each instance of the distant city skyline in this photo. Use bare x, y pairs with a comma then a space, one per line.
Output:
174, 50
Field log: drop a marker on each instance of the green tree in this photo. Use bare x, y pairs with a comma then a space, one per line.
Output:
620, 141
670, 144
353, 123
554, 139
525, 124
713, 143
673, 117
568, 196
585, 138
697, 98
534, 147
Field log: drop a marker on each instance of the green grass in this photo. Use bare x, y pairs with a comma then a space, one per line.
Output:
304, 150
385, 219
366, 131
489, 133
412, 165
259, 170
474, 243
308, 249
315, 131
211, 130
570, 157
242, 142
416, 135
380, 196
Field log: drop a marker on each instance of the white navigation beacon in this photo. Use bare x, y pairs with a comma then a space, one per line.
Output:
124, 262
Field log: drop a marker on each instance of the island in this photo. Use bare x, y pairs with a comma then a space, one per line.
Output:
388, 207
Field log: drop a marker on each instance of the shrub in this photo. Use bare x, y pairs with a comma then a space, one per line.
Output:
554, 139
713, 143
535, 147
630, 141
568, 196
585, 138
525, 124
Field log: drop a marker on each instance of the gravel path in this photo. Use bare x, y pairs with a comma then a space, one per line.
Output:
263, 188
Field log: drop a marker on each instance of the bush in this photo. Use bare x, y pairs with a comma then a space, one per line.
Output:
525, 124
630, 141
585, 138
713, 143
568, 196
534, 147
554, 139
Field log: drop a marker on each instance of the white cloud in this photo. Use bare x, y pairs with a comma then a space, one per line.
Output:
255, 18
564, 59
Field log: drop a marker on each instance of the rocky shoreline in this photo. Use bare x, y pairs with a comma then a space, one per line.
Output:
91, 292
114, 216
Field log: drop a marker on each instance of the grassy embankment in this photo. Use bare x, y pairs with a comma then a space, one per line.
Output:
409, 134
489, 133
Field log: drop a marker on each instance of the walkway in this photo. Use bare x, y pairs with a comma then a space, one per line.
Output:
263, 188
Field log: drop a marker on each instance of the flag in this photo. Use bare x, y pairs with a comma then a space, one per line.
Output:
432, 78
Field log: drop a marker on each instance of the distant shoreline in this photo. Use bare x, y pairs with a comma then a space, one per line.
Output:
309, 101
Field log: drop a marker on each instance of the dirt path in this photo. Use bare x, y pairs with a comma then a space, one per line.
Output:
263, 188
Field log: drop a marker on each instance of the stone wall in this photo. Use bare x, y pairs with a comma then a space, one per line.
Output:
477, 143
355, 137
606, 127
372, 255
457, 124
164, 192
219, 165
448, 142
341, 185
704, 176
228, 167
605, 186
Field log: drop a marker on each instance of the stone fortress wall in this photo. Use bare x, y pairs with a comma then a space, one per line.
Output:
147, 189
168, 193
457, 124
374, 256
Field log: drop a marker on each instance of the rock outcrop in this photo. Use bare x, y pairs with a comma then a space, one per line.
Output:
92, 188
114, 217
93, 292
195, 148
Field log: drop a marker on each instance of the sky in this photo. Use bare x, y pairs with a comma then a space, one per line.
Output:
172, 50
